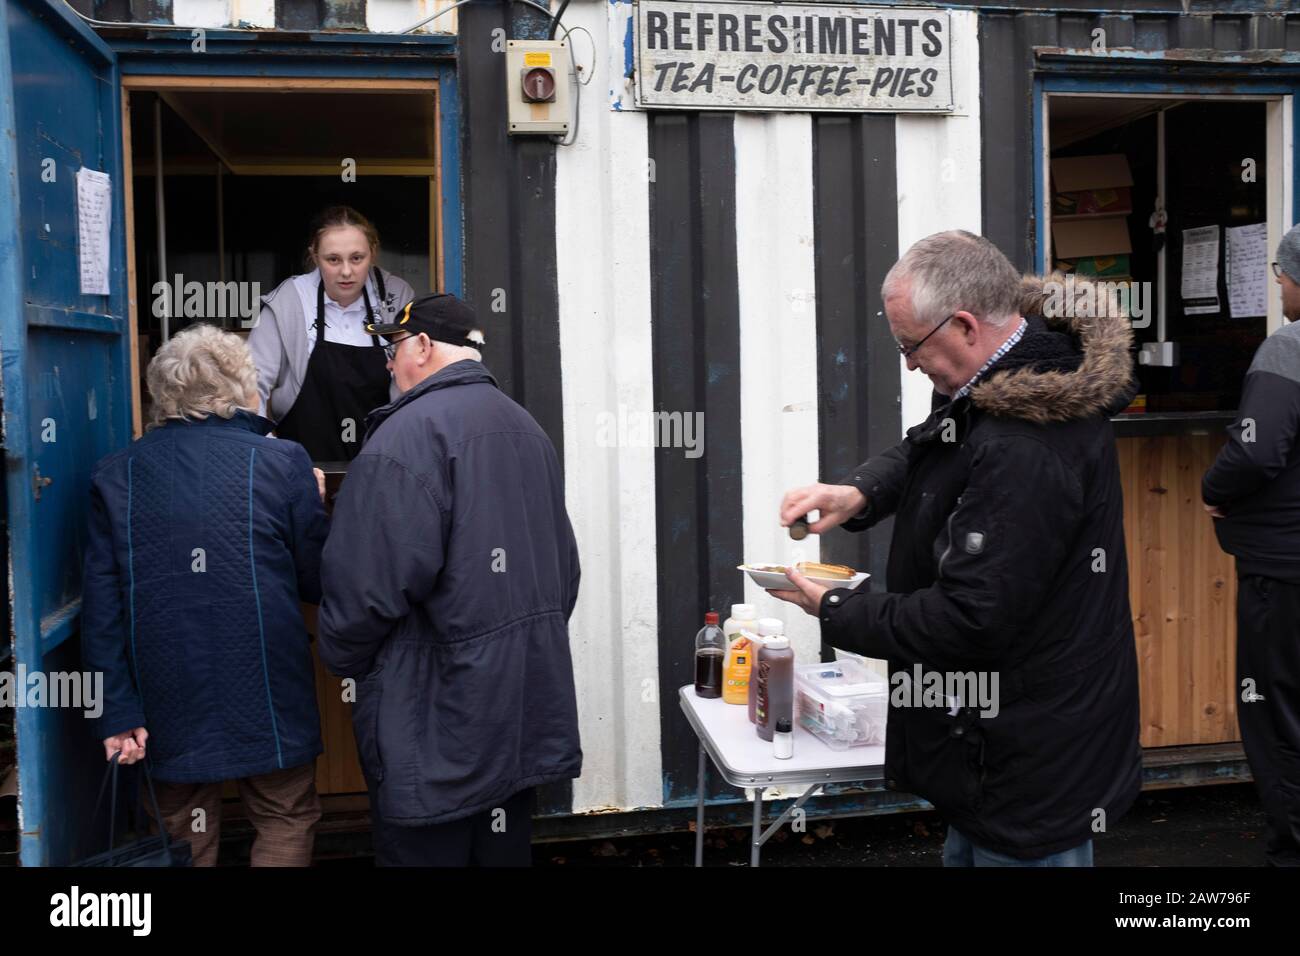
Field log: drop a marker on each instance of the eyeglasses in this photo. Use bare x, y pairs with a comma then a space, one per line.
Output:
907, 351
390, 350
1277, 269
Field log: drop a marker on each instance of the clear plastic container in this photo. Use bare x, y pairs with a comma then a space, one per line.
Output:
841, 702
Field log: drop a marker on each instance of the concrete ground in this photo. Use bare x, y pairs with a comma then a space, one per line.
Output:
1217, 826
1208, 826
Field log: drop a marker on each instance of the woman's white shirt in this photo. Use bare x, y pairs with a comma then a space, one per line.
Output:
343, 325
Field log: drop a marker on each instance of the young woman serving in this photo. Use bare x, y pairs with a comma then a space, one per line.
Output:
319, 373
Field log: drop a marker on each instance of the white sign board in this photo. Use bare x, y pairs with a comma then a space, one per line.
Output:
781, 56
1246, 269
1200, 285
94, 217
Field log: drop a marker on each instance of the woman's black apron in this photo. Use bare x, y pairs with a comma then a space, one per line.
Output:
343, 384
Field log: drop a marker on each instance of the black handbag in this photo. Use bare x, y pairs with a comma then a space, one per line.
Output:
159, 850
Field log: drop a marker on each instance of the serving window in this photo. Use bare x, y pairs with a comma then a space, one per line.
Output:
1178, 200
226, 175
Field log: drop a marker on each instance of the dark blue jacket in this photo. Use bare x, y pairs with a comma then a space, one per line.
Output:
204, 538
449, 577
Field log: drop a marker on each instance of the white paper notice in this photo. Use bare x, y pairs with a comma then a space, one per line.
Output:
94, 211
1246, 269
1200, 286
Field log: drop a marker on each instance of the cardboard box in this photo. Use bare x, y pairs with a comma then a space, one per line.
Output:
1090, 208
1074, 174
1091, 236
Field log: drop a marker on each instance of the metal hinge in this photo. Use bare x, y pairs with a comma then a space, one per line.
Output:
39, 481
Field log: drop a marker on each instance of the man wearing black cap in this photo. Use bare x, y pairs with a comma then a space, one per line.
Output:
449, 577
1253, 492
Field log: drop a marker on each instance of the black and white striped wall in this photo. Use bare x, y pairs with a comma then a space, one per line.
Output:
727, 264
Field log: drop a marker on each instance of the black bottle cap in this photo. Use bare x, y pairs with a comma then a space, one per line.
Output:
783, 726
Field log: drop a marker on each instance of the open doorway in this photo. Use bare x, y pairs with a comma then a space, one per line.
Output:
223, 177
246, 163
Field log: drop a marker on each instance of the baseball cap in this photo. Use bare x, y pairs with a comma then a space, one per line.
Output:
441, 316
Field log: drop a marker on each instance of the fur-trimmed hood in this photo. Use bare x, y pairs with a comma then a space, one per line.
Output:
1066, 366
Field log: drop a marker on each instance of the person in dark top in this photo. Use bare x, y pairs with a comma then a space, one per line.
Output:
1253, 492
205, 536
1007, 562
449, 576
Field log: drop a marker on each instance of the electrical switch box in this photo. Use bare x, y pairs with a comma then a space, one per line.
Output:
538, 93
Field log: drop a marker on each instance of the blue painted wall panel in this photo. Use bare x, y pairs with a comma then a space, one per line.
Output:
65, 371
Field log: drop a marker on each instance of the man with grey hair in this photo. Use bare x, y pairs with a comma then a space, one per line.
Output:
1007, 560
1253, 492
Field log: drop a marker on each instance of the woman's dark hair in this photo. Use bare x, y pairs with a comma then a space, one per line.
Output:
332, 218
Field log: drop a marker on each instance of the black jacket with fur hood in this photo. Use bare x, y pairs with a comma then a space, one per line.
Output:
1008, 563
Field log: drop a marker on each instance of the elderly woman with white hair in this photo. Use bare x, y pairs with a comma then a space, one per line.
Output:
205, 535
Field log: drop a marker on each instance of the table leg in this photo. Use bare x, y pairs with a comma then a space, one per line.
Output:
699, 812
756, 841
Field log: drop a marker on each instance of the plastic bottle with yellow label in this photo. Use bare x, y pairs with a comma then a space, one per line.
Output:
736, 672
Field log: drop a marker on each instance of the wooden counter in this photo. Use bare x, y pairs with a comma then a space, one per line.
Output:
338, 770
1183, 590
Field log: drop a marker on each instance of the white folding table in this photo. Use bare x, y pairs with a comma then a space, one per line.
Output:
746, 761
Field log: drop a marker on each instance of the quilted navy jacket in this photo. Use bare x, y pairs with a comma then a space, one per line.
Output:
449, 577
204, 537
